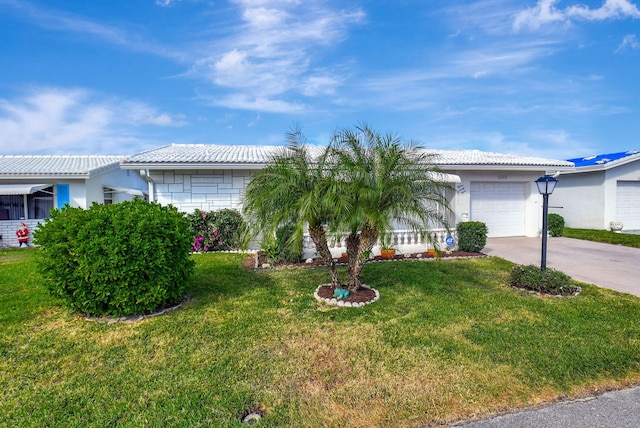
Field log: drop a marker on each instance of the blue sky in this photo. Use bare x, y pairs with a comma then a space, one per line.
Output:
550, 78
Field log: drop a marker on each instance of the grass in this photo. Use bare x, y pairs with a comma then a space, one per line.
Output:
447, 341
608, 237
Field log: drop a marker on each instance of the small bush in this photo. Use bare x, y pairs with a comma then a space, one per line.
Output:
216, 230
555, 224
279, 248
549, 281
472, 236
119, 259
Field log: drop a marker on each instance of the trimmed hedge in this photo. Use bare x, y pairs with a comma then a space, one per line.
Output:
472, 236
549, 281
555, 224
118, 259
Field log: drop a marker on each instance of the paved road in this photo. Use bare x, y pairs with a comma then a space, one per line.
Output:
610, 266
616, 409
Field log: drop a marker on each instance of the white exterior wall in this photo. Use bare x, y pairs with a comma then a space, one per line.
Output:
206, 190
533, 200
582, 198
589, 197
94, 190
627, 172
81, 194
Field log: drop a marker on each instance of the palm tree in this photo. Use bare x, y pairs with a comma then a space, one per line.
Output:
295, 190
388, 183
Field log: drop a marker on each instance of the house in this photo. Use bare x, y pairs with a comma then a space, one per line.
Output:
601, 189
30, 186
497, 189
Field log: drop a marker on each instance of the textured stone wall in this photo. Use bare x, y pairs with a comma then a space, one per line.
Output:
207, 190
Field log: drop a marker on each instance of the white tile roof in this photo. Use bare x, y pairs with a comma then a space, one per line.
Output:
199, 154
205, 153
477, 157
56, 166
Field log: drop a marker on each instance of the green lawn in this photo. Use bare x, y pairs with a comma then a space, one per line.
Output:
605, 236
447, 340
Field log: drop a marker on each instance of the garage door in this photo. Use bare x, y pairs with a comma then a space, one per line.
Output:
500, 206
628, 204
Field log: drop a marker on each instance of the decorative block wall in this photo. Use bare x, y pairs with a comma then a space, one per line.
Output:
207, 190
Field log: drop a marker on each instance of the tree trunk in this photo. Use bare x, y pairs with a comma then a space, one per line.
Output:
319, 238
357, 248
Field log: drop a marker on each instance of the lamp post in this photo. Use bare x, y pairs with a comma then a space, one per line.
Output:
545, 185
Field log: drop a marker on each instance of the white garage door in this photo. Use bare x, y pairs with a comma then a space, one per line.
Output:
628, 204
500, 206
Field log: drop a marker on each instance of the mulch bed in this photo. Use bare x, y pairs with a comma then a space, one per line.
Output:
363, 295
250, 263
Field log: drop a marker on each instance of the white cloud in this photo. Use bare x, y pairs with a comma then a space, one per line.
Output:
164, 119
246, 102
611, 9
499, 58
546, 12
73, 121
62, 21
260, 17
630, 41
273, 51
170, 3
550, 143
270, 53
320, 85
543, 13
489, 16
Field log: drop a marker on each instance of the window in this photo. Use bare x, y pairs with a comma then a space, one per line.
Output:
36, 205
119, 194
40, 204
108, 195
11, 207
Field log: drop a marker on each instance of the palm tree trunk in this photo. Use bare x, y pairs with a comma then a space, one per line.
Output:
357, 248
319, 238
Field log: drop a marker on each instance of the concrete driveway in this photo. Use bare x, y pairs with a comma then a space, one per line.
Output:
605, 265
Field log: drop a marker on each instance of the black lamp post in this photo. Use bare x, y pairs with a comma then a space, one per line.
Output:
545, 185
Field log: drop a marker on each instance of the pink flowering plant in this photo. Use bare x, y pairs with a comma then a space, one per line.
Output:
215, 230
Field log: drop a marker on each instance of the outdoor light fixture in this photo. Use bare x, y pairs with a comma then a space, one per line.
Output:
545, 185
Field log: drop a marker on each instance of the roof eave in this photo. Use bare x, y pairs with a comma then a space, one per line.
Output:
476, 167
195, 165
44, 176
606, 166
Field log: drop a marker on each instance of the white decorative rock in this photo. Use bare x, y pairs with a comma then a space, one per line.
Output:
266, 265
309, 260
341, 303
616, 226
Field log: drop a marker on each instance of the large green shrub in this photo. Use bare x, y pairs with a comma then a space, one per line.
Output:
555, 224
548, 281
119, 259
472, 236
215, 230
